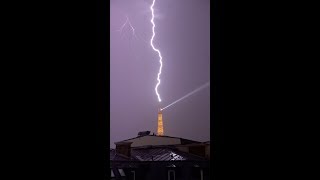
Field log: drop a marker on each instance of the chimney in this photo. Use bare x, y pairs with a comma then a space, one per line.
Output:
123, 148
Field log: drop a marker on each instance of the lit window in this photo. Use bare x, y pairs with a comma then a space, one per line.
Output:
121, 172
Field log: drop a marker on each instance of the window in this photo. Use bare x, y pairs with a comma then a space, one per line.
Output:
133, 173
121, 172
171, 175
112, 174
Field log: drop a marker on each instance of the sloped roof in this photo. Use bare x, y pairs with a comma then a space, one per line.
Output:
155, 153
117, 157
162, 153
183, 141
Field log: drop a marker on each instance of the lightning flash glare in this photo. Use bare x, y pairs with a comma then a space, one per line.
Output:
187, 95
160, 57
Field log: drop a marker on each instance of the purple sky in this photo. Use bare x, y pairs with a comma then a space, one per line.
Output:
183, 37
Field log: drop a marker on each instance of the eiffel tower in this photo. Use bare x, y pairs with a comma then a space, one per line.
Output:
160, 123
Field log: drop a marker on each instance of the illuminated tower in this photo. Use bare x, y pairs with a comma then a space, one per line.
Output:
160, 123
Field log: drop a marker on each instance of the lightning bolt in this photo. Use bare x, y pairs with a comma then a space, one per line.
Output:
124, 24
157, 50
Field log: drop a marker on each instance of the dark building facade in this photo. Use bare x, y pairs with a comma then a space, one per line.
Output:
160, 162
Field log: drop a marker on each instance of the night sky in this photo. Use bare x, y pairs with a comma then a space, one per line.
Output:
183, 37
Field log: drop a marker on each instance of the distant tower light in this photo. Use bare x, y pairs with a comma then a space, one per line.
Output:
160, 123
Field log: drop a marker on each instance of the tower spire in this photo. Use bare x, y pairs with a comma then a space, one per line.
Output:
160, 123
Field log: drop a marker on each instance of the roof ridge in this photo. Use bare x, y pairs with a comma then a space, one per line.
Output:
171, 146
158, 136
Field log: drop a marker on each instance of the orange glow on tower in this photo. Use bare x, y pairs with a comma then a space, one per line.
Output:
160, 123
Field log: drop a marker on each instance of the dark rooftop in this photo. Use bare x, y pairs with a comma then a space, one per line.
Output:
117, 157
155, 153
183, 141
164, 153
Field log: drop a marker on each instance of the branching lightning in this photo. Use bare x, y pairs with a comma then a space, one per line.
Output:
124, 24
160, 57
124, 31
187, 95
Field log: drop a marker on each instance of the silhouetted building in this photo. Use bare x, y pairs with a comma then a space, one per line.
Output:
159, 158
